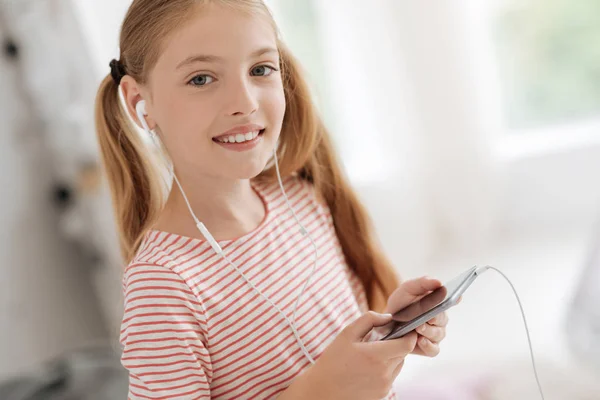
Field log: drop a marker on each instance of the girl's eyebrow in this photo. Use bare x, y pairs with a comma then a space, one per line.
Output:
216, 59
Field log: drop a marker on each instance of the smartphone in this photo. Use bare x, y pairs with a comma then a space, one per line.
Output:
426, 308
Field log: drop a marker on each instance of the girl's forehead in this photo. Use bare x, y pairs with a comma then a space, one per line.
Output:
221, 34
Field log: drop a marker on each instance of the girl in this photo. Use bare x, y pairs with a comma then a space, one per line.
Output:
252, 275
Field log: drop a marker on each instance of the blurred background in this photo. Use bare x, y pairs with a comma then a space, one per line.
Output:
470, 129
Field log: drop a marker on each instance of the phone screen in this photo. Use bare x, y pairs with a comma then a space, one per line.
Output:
427, 303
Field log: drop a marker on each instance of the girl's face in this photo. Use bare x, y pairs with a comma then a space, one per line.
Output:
216, 94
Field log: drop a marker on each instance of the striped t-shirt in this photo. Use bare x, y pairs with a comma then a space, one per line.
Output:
194, 329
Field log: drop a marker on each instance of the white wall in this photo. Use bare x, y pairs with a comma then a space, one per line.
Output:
553, 190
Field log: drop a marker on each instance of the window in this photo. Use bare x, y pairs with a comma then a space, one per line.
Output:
548, 62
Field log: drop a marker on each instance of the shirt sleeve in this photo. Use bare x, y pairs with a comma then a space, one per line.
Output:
163, 334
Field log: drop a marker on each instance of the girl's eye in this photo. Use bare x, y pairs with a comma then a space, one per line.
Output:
263, 70
201, 80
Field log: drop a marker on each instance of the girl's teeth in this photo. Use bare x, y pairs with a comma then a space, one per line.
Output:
240, 138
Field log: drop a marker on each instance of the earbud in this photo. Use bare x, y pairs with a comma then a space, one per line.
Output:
140, 109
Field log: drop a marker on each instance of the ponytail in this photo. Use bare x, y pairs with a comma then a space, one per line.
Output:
137, 195
353, 226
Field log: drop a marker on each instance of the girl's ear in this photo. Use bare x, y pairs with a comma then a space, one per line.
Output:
132, 95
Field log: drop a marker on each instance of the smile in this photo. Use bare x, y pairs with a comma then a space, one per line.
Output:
240, 142
238, 138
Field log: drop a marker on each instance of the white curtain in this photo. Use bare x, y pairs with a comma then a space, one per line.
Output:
414, 134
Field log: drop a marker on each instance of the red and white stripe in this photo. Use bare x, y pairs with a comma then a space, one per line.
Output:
194, 329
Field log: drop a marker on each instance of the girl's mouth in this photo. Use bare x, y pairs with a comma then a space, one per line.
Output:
239, 138
240, 142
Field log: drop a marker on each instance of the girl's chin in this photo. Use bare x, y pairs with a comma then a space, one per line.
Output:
247, 170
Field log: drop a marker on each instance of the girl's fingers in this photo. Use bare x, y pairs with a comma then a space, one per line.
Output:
410, 291
434, 333
439, 320
428, 348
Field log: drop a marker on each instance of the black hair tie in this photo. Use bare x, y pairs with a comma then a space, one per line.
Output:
117, 71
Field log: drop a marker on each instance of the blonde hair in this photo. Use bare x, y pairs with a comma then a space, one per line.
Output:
305, 147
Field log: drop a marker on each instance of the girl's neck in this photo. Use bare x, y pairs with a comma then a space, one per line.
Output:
228, 208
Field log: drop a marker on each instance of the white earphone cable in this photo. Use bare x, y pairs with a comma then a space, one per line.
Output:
303, 231
204, 231
537, 379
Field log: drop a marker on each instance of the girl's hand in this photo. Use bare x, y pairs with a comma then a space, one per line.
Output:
431, 333
351, 369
